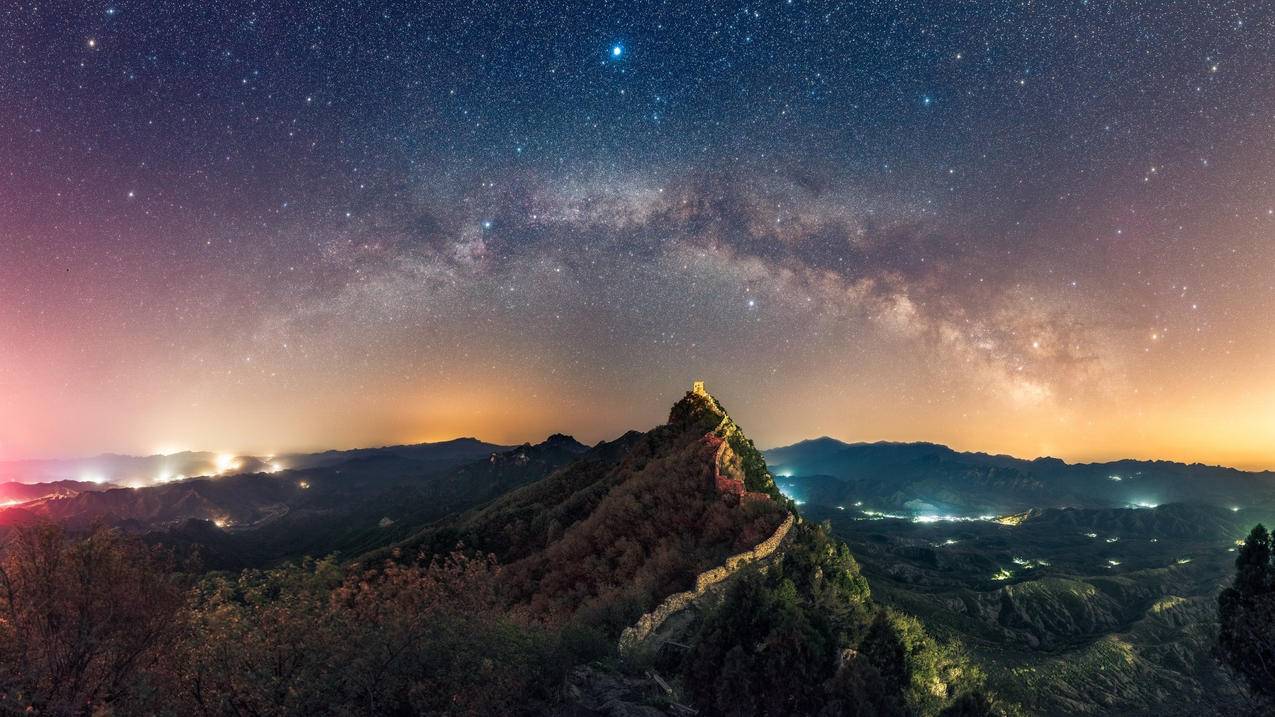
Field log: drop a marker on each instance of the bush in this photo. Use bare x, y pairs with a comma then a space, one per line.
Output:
400, 640
82, 621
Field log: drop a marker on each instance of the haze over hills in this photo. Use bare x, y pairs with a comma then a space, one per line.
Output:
139, 471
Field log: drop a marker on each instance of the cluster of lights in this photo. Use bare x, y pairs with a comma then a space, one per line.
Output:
226, 462
1002, 574
951, 518
876, 515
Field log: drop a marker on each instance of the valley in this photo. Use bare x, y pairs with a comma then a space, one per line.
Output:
1079, 602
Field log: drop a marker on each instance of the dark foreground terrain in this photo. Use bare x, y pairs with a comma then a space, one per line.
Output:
665, 572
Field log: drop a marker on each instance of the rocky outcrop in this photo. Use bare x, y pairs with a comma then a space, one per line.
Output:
592, 692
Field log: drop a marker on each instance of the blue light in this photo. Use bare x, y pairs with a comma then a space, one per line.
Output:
616, 50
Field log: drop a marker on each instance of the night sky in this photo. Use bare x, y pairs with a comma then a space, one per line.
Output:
1031, 227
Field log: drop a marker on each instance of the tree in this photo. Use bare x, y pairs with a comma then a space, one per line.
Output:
1246, 613
82, 621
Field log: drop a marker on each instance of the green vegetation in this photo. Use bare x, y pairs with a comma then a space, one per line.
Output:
802, 637
1246, 611
757, 476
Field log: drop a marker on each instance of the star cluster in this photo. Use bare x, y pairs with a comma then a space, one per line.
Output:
1038, 228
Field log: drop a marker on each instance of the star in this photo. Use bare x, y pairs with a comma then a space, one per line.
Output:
617, 50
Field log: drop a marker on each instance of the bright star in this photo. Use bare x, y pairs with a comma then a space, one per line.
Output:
616, 50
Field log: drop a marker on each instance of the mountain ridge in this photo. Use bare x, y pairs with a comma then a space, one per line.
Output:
837, 443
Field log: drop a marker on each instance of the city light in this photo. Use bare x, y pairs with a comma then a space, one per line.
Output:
226, 462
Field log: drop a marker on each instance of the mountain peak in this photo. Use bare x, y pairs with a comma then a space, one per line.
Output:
563, 441
697, 409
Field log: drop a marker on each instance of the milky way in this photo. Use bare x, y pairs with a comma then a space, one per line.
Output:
1043, 228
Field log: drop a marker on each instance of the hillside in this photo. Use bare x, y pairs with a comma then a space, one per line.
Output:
629, 522
751, 619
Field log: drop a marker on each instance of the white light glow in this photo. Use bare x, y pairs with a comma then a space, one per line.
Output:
226, 462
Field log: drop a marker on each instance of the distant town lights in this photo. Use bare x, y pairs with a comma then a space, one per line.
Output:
225, 462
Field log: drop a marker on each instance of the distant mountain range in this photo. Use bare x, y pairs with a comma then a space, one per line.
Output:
139, 471
926, 478
336, 501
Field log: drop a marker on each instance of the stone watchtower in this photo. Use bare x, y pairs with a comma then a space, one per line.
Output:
697, 388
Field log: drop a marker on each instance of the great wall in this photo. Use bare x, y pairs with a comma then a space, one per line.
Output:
675, 603
726, 467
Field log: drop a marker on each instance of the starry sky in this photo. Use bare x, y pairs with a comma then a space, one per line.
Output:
1028, 227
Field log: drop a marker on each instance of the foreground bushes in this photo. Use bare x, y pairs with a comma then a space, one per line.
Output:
99, 625
83, 623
